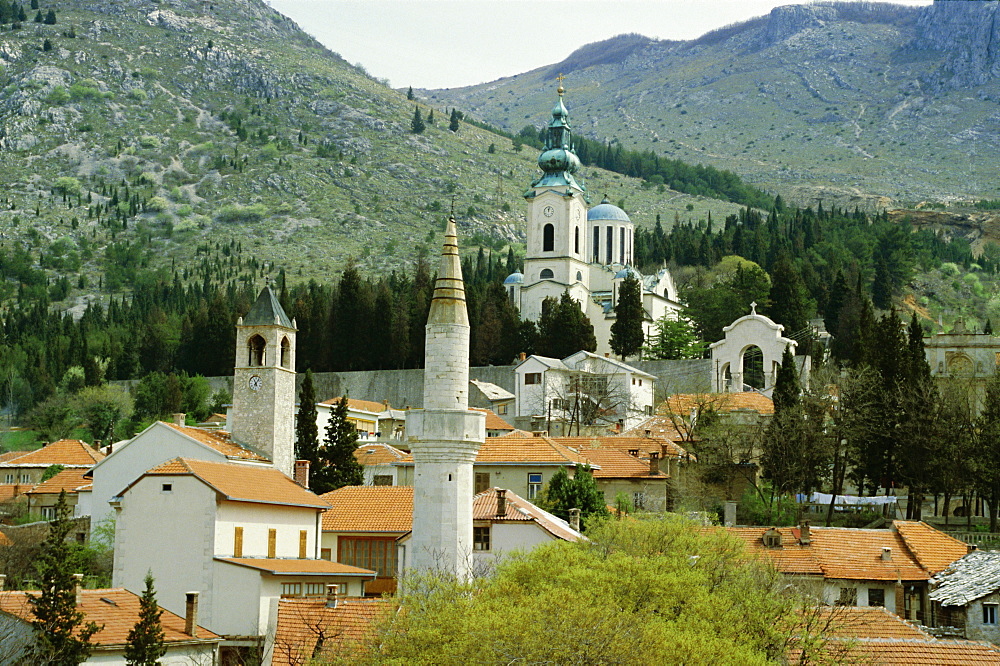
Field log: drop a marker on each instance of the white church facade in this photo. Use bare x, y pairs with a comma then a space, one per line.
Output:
585, 251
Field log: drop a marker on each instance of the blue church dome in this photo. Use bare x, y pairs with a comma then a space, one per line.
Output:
515, 278
625, 272
607, 211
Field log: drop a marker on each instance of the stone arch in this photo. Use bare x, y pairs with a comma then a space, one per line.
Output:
752, 350
960, 365
546, 274
286, 353
752, 367
548, 238
256, 350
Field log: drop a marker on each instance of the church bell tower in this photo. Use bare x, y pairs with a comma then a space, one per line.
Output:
264, 381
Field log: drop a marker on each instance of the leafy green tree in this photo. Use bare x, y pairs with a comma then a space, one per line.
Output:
102, 408
724, 294
417, 125
675, 338
51, 471
306, 432
145, 640
338, 466
62, 636
563, 493
627, 336
986, 456
430, 117
453, 123
563, 329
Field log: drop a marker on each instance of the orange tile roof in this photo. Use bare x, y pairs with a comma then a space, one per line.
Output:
534, 450
242, 483
369, 509
907, 652
5, 540
681, 404
626, 443
484, 507
282, 567
66, 452
658, 426
68, 480
220, 441
865, 622
301, 621
10, 455
359, 405
616, 464
378, 454
9, 491
117, 609
791, 558
493, 422
934, 549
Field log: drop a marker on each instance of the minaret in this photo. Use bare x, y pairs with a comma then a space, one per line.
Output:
263, 415
445, 435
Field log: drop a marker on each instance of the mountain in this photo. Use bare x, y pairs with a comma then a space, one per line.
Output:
854, 103
148, 135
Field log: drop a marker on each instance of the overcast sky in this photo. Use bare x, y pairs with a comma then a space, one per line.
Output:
451, 43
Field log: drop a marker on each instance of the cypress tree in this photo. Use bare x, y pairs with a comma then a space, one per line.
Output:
453, 124
306, 432
50, 18
627, 336
786, 386
409, 93
339, 467
417, 124
145, 640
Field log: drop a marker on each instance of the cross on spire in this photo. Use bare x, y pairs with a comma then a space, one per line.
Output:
560, 90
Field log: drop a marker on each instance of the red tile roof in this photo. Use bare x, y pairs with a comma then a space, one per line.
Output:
117, 609
493, 422
934, 549
5, 540
644, 445
681, 404
485, 505
369, 509
220, 441
905, 652
865, 622
241, 483
359, 405
283, 567
69, 480
66, 452
378, 454
616, 464
9, 491
302, 621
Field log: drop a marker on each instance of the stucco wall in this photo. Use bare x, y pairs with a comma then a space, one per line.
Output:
975, 629
256, 520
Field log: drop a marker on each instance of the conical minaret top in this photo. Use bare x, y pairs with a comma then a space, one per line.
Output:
448, 304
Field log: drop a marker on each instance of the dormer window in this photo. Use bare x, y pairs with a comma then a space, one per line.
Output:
772, 538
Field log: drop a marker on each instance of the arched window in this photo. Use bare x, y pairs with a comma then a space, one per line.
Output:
597, 244
255, 350
548, 238
579, 276
576, 239
753, 368
546, 274
286, 353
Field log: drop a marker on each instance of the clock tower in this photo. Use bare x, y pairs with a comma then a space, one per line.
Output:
263, 414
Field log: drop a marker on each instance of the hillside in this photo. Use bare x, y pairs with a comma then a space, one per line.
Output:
863, 104
143, 135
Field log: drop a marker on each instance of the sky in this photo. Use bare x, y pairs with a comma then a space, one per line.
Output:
453, 43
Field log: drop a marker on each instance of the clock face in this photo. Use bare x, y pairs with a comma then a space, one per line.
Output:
548, 211
256, 382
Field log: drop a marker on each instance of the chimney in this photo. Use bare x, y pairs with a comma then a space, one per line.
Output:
302, 473
385, 403
886, 554
179, 418
607, 354
501, 503
805, 538
973, 547
634, 453
332, 595
191, 614
97, 445
77, 588
521, 356
654, 463
574, 519
649, 433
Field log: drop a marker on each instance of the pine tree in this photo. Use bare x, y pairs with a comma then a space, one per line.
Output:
563, 329
430, 117
50, 18
61, 634
786, 385
145, 640
306, 432
38, 17
453, 124
417, 124
339, 467
409, 93
627, 336
563, 493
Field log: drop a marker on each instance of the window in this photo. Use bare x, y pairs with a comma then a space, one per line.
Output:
25, 478
548, 238
378, 555
167, 488
291, 589
315, 589
480, 538
9, 478
649, 410
546, 274
579, 276
382, 480
876, 596
534, 485
989, 613
576, 240
303, 544
286, 353
848, 596
272, 543
533, 378
597, 257
771, 538
238, 542
326, 554
482, 481
49, 512
638, 500
611, 240
255, 350
502, 409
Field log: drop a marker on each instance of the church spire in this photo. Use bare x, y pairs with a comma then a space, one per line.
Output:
558, 161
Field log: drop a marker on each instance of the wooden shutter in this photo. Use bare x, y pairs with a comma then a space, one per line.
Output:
272, 543
303, 542
238, 543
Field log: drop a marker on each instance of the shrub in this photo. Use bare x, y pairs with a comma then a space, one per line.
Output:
183, 211
84, 90
157, 204
58, 95
138, 94
269, 152
67, 185
235, 213
149, 141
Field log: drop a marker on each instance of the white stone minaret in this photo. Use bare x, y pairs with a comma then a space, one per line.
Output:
445, 436
263, 414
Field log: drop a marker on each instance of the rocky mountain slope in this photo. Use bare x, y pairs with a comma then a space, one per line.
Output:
854, 103
160, 130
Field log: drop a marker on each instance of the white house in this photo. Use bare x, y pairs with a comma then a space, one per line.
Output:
364, 414
242, 536
160, 442
378, 462
582, 389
